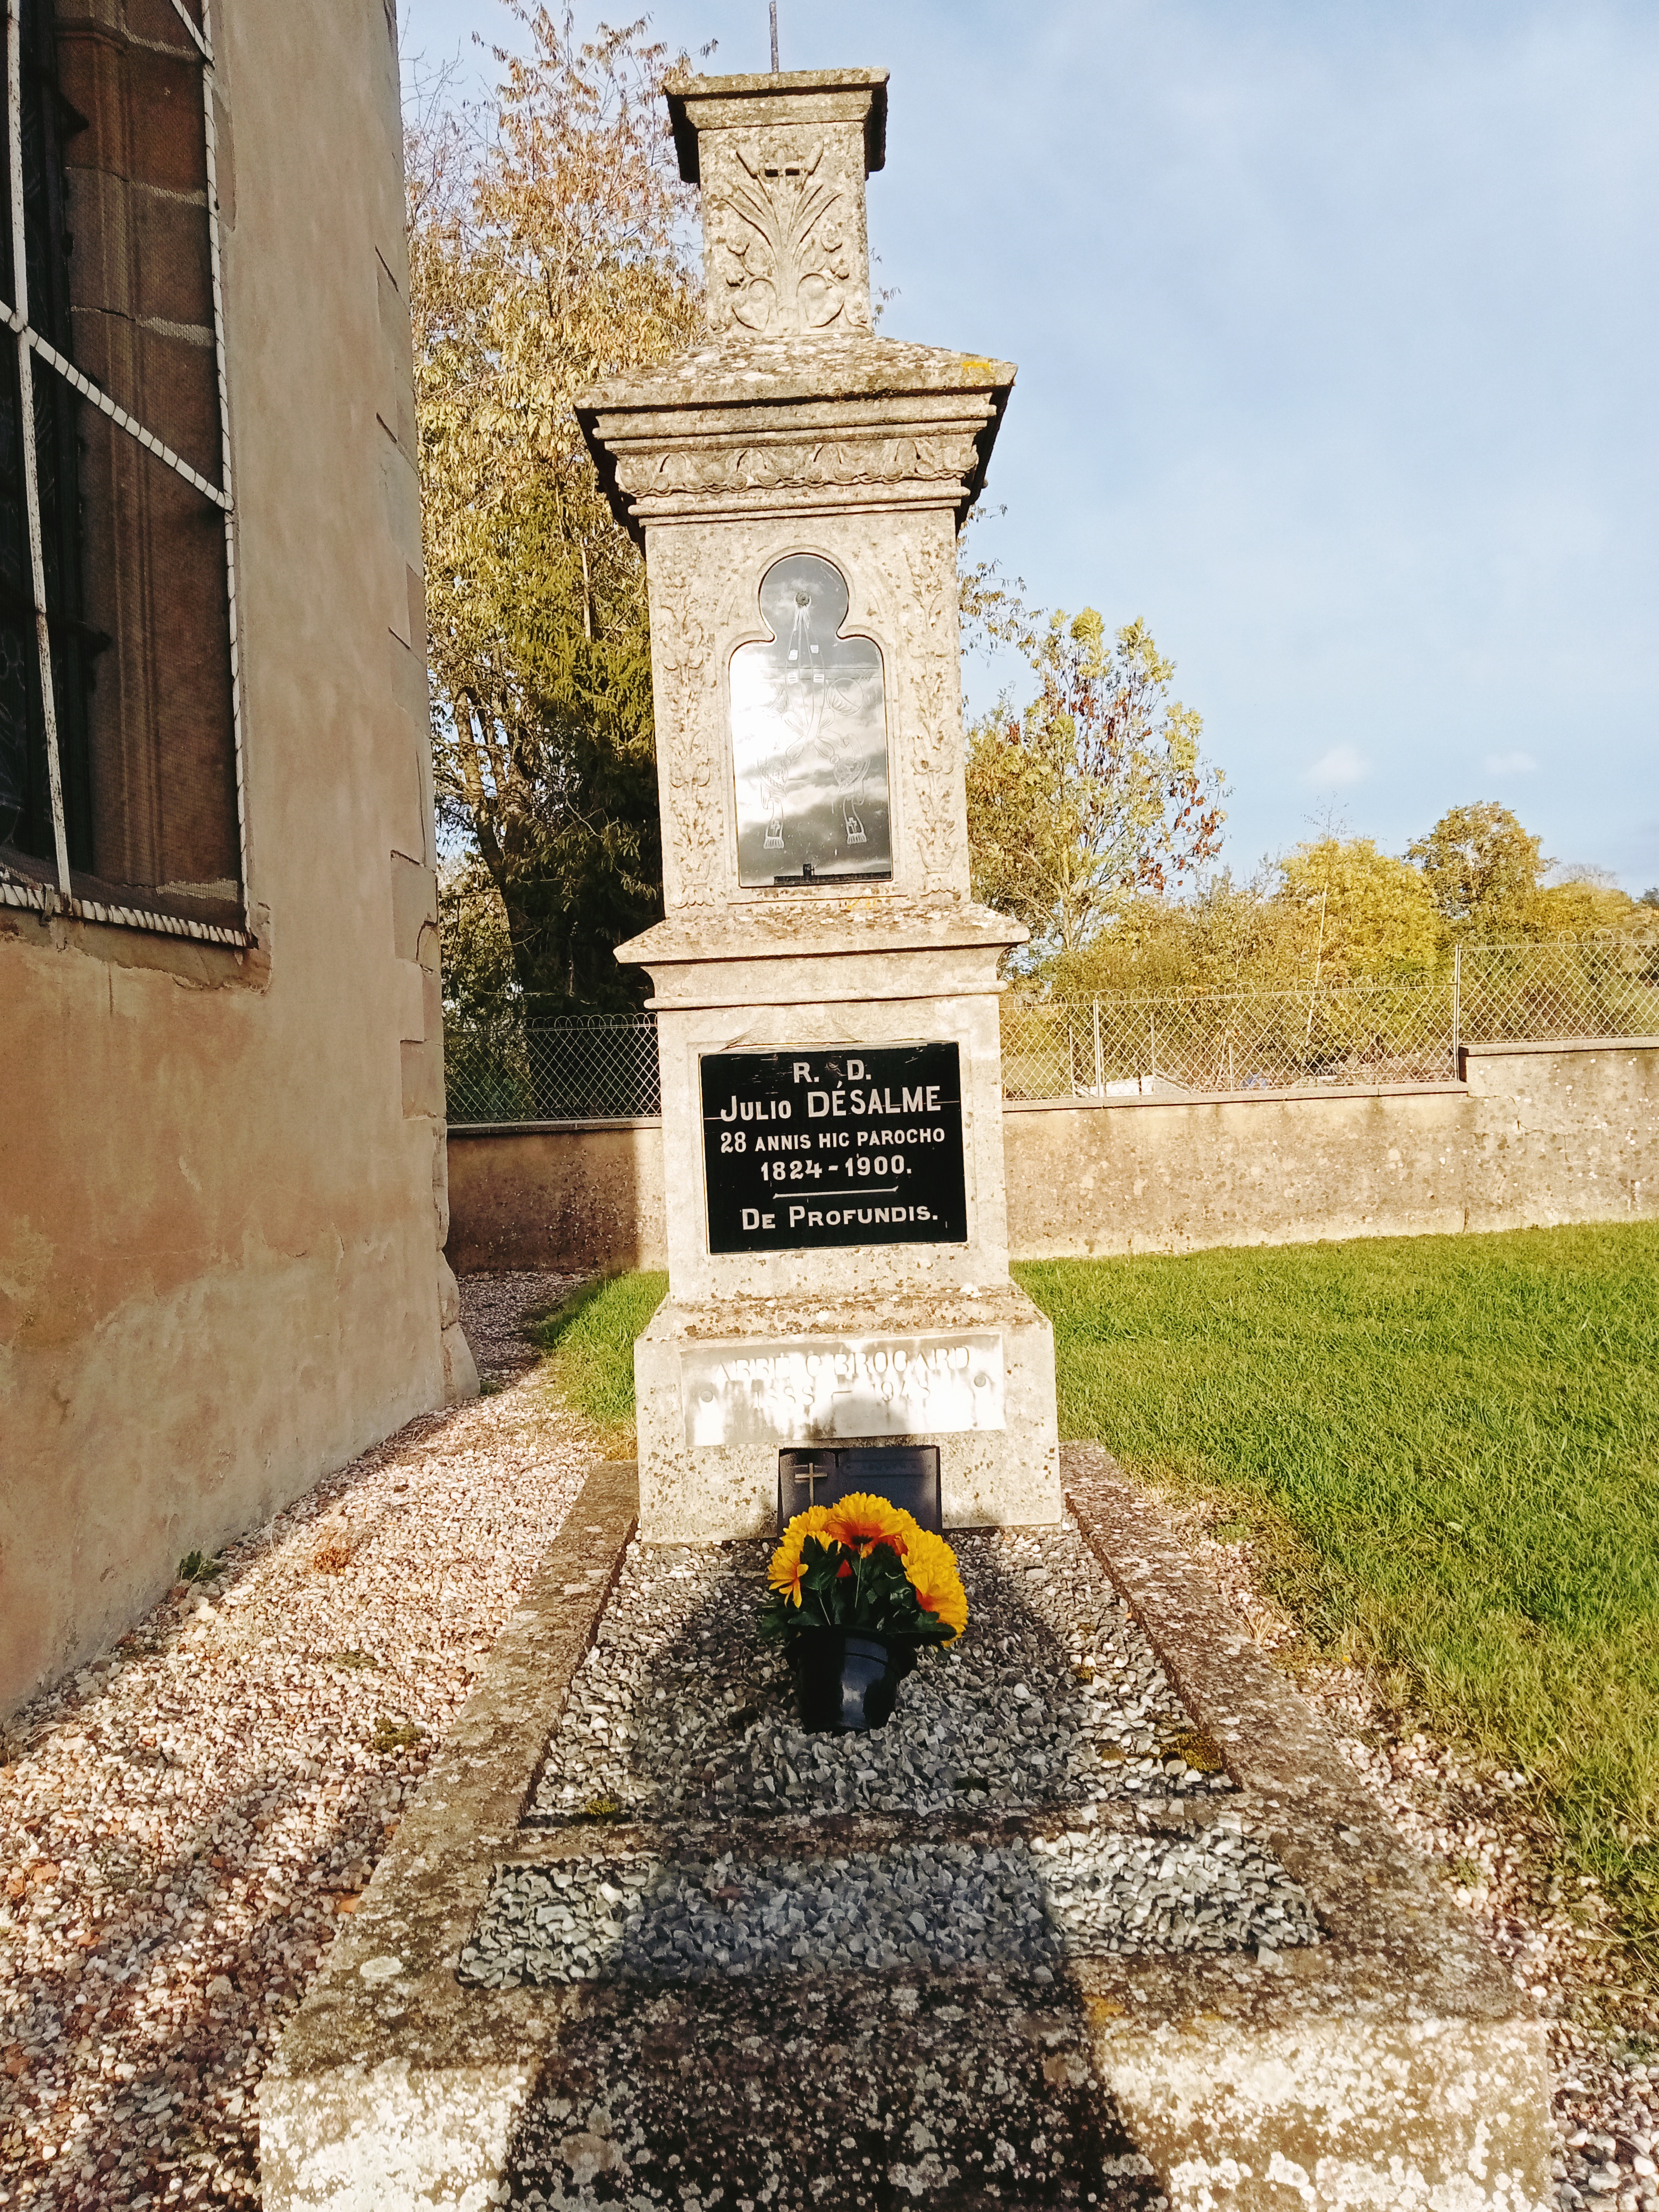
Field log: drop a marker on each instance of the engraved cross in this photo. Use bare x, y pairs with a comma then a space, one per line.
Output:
812, 1473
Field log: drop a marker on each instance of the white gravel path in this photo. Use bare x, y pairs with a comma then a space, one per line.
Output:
183, 1820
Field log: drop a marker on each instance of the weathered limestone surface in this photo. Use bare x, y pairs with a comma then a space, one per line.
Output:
990, 1477
1539, 1137
1395, 2064
1392, 2064
396, 2086
224, 1171
798, 432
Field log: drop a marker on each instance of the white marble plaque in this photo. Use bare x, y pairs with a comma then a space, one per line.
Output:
809, 736
824, 1389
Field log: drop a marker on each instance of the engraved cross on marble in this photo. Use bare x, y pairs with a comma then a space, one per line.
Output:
805, 1477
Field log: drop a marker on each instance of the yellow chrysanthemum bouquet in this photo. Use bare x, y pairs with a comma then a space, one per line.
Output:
865, 1566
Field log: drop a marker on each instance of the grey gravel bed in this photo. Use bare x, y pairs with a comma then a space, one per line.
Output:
787, 2093
1054, 1697
938, 1905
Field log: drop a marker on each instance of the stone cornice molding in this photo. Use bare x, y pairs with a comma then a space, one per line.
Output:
697, 103
745, 425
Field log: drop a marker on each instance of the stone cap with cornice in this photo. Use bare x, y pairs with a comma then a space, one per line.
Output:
795, 402
791, 928
699, 104
744, 418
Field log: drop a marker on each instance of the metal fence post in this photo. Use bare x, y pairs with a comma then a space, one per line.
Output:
1100, 1057
1457, 1008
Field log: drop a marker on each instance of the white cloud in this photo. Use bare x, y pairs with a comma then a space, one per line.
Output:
1510, 764
1341, 764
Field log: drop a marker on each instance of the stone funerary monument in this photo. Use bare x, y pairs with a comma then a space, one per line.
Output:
826, 991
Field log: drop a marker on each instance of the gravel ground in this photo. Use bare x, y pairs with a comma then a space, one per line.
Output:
1053, 1697
493, 1310
941, 1905
185, 1818
1482, 1831
974, 2093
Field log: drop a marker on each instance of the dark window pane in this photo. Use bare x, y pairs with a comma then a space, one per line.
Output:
141, 279
133, 556
164, 825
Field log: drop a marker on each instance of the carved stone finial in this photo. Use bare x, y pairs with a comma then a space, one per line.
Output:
782, 162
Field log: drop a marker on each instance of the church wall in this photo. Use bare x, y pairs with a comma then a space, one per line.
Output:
223, 1170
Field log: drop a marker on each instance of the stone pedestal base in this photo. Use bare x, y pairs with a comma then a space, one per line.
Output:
722, 1388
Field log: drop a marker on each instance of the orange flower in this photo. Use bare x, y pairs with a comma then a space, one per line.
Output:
931, 1567
862, 1522
786, 1570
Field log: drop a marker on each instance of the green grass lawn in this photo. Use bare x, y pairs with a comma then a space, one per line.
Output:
1451, 1445
589, 1345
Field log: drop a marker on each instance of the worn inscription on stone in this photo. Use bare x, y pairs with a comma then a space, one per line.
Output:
863, 1387
806, 1148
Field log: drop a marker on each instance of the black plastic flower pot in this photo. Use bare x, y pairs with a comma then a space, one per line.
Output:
849, 1681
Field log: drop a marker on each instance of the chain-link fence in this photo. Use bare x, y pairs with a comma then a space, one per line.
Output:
1590, 987
1197, 1044
589, 1067
1182, 1048
576, 1067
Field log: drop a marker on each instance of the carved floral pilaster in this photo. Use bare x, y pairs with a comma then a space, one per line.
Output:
923, 582
689, 772
782, 218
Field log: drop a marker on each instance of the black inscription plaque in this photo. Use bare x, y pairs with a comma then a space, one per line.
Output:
859, 1146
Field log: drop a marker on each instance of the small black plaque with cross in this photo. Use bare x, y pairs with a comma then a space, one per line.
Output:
905, 1475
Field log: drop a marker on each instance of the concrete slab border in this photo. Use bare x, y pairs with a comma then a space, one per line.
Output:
1395, 2063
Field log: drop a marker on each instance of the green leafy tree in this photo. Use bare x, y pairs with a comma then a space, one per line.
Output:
1097, 792
1226, 936
1482, 870
479, 978
548, 250
1585, 901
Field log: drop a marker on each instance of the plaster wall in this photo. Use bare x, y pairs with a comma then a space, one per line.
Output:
223, 1170
1537, 1136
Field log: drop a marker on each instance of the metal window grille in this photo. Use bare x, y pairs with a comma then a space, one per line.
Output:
121, 793
604, 1066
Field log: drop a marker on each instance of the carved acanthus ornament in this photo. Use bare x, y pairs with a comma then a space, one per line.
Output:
682, 681
947, 457
783, 261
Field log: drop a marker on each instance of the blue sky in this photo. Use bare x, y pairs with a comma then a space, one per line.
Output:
1338, 328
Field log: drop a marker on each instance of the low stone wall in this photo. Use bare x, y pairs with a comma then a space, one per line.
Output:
560, 1195
1535, 1136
